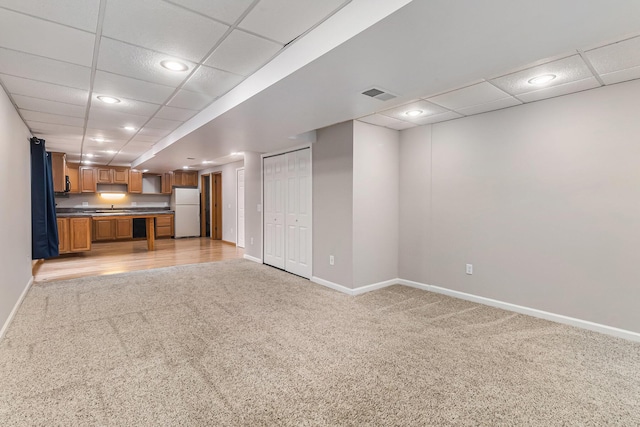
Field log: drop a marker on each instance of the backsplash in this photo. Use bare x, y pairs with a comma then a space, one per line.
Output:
94, 200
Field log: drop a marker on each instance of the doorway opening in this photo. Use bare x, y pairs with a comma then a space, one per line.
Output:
205, 205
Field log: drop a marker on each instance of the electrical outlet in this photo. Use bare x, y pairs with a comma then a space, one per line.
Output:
85, 203
229, 206
331, 260
469, 268
259, 208
252, 240
134, 204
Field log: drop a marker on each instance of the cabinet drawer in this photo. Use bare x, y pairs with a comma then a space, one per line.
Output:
163, 231
164, 221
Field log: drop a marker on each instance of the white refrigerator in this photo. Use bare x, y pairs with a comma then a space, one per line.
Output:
185, 202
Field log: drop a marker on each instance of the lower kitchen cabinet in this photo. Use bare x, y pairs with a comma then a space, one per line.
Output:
164, 226
112, 229
74, 235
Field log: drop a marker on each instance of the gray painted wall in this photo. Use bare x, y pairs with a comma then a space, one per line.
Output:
15, 214
375, 204
229, 196
252, 198
333, 204
543, 199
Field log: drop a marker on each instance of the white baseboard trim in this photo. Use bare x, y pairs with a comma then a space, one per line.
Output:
5, 327
559, 318
252, 258
354, 291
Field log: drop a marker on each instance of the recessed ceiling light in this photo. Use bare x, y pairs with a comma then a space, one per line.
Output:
542, 80
145, 170
108, 99
111, 151
129, 128
89, 155
206, 162
86, 162
185, 167
413, 113
174, 65
98, 139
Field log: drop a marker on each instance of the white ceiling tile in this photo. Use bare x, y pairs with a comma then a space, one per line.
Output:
571, 87
243, 53
285, 20
157, 123
162, 27
223, 10
44, 129
480, 93
125, 158
566, 70
191, 100
62, 148
126, 87
212, 82
385, 121
489, 106
104, 147
43, 69
81, 14
436, 118
173, 113
617, 62
51, 92
106, 118
139, 63
46, 106
36, 116
158, 133
18, 32
125, 105
621, 76
145, 139
109, 134
427, 108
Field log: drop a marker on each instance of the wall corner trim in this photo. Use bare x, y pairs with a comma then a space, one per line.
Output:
252, 258
558, 318
355, 291
5, 327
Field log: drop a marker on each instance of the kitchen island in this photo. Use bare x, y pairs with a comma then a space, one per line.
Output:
111, 224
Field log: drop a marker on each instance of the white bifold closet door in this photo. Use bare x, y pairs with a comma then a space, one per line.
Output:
287, 214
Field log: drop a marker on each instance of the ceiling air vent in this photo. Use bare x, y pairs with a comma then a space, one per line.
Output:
379, 94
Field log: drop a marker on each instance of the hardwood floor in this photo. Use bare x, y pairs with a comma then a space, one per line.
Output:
119, 257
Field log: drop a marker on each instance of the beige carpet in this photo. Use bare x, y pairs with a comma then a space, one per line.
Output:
237, 343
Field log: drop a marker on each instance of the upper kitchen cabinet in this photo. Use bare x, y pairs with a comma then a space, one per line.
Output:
135, 181
59, 171
183, 178
167, 182
112, 175
74, 177
88, 179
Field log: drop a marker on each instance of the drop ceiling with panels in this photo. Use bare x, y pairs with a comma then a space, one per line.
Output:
57, 57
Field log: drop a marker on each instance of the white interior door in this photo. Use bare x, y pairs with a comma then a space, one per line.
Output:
298, 212
240, 203
273, 178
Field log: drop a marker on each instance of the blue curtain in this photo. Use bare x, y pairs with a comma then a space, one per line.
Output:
44, 227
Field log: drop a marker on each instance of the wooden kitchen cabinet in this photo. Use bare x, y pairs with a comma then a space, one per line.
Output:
110, 175
123, 228
164, 226
88, 181
63, 235
167, 182
185, 178
105, 229
74, 177
74, 235
135, 181
58, 171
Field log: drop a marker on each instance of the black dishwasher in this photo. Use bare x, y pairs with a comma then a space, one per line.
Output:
139, 228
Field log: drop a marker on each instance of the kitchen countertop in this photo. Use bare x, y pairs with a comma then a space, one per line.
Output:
77, 213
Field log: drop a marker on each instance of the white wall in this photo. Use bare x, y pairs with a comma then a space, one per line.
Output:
252, 199
95, 201
375, 204
333, 204
229, 196
15, 213
543, 199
